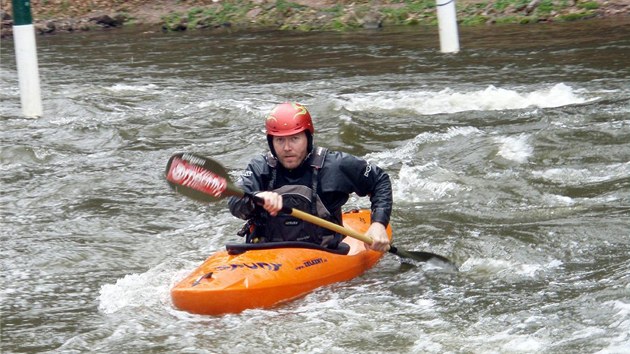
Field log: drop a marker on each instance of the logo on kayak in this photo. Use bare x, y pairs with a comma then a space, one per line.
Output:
258, 265
311, 262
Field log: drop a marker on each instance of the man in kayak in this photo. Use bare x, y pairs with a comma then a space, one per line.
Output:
297, 174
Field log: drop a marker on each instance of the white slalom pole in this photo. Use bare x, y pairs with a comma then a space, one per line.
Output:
447, 24
26, 59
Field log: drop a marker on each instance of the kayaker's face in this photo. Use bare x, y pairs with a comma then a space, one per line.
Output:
291, 149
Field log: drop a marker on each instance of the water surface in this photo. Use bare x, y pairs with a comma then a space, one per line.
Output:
511, 157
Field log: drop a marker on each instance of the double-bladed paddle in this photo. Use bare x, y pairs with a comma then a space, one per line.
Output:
204, 179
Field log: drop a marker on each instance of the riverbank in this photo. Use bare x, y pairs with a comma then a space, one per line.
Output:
68, 16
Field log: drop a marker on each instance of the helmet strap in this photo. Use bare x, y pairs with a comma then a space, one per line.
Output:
309, 146
270, 143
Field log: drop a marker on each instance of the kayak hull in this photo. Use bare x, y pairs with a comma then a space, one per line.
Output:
261, 278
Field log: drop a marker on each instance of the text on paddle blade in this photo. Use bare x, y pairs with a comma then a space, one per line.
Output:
195, 177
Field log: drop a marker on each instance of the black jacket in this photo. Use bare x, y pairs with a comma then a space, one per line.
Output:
341, 175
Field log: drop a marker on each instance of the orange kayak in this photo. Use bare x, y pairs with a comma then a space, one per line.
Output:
246, 276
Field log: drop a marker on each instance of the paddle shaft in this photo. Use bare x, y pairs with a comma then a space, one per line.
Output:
419, 256
415, 255
319, 222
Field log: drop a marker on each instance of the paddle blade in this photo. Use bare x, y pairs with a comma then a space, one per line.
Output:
420, 256
199, 178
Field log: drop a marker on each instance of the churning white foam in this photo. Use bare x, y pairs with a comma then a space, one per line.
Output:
424, 183
506, 268
409, 150
580, 176
126, 87
450, 101
515, 148
150, 289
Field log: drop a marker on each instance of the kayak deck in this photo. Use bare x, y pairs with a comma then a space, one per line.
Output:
239, 248
263, 275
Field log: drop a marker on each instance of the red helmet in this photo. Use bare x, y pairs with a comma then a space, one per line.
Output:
287, 119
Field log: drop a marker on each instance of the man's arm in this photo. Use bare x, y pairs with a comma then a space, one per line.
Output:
250, 181
371, 180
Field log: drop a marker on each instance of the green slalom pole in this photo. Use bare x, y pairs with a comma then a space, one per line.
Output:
26, 59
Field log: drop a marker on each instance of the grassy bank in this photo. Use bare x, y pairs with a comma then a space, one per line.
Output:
296, 16
303, 15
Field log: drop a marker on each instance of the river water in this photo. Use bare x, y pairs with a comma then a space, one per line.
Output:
512, 158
